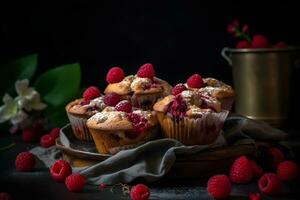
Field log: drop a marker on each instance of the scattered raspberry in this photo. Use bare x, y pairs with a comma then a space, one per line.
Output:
91, 93
103, 186
47, 141
146, 71
275, 156
178, 107
257, 170
75, 182
139, 123
287, 171
245, 28
219, 187
178, 89
60, 170
25, 161
30, 134
241, 170
281, 45
5, 196
270, 184
195, 81
115, 75
260, 41
243, 44
124, 106
139, 192
55, 132
112, 99
255, 196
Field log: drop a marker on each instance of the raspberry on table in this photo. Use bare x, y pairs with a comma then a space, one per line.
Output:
270, 184
195, 81
219, 186
275, 156
140, 192
5, 196
55, 132
287, 171
257, 170
75, 182
91, 93
30, 134
146, 71
112, 99
124, 106
47, 141
25, 161
241, 170
60, 170
178, 89
115, 75
255, 196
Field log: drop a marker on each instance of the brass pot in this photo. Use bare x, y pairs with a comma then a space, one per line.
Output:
262, 79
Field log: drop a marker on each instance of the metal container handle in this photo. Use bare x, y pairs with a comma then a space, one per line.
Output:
225, 55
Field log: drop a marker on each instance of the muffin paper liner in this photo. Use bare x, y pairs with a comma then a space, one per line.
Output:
227, 103
79, 127
190, 131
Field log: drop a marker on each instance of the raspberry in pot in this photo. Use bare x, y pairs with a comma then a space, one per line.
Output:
260, 41
139, 192
146, 71
25, 161
91, 93
115, 75
243, 44
60, 170
219, 187
195, 81
112, 99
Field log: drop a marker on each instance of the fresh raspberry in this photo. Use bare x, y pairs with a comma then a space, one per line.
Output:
60, 170
47, 141
112, 99
245, 28
124, 106
5, 196
139, 192
146, 71
257, 170
139, 123
270, 184
219, 187
281, 45
103, 186
260, 41
115, 75
275, 156
287, 171
195, 81
178, 89
25, 161
241, 170
55, 132
231, 28
243, 44
91, 93
30, 134
75, 182
255, 196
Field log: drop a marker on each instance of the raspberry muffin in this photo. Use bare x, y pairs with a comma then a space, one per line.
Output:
122, 127
212, 87
142, 89
189, 116
80, 110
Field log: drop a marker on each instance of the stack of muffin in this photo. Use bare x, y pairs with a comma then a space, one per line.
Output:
134, 108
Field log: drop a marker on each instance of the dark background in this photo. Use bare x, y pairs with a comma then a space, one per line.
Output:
178, 37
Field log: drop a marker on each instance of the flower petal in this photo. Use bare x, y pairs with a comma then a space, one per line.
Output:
7, 98
19, 117
21, 86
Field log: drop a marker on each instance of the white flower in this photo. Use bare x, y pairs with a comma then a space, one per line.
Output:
10, 110
28, 98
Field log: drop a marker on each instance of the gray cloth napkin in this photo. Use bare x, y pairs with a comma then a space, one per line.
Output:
154, 159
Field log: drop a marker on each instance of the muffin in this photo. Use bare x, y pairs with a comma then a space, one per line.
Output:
122, 127
142, 89
79, 110
191, 117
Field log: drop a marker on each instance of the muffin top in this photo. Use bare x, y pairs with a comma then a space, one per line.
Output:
144, 82
217, 88
122, 117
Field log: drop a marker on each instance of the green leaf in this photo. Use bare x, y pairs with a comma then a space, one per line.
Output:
22, 68
59, 85
57, 116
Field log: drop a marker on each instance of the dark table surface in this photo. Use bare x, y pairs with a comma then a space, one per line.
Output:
39, 185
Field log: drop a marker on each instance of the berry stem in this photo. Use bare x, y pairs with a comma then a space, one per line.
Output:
242, 34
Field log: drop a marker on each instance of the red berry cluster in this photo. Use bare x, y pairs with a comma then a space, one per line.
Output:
257, 41
244, 170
